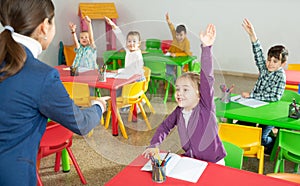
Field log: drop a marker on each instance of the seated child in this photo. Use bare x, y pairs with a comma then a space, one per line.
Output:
86, 53
134, 63
271, 82
195, 116
180, 45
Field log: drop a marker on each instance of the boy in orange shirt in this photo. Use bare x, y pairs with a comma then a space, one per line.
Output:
180, 45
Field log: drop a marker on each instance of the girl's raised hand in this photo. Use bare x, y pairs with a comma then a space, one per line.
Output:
72, 26
110, 22
87, 19
208, 37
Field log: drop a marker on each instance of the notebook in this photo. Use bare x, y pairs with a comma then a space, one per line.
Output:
182, 168
254, 103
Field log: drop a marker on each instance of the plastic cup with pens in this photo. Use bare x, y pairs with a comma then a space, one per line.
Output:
102, 73
158, 173
226, 93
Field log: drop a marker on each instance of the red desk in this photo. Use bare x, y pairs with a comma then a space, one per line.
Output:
292, 77
214, 175
91, 78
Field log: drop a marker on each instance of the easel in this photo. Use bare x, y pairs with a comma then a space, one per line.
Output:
98, 11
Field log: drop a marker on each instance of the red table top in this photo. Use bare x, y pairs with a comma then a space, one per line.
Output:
292, 77
214, 175
91, 78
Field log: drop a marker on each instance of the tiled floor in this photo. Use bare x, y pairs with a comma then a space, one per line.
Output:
102, 155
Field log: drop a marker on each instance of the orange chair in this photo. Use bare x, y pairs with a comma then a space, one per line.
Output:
66, 54
55, 139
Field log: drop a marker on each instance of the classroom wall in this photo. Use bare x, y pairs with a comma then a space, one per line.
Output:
275, 21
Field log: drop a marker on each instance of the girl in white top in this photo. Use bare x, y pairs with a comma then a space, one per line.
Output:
133, 60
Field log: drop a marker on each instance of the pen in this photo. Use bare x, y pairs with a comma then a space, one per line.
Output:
168, 160
163, 161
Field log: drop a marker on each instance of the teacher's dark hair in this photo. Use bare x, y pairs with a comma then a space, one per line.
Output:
24, 17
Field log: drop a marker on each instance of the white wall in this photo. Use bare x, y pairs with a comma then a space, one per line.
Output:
275, 21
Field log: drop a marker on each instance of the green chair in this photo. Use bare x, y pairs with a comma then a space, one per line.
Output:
112, 64
158, 73
289, 149
234, 156
196, 67
153, 46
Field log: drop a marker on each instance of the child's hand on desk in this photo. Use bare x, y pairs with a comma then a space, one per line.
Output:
150, 152
245, 94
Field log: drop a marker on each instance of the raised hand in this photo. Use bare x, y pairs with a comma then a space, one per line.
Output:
87, 19
110, 22
72, 27
208, 37
168, 18
249, 29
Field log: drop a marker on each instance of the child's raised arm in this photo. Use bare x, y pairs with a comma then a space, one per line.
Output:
90, 31
249, 29
73, 32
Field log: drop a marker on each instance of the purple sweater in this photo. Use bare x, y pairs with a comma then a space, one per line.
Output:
200, 139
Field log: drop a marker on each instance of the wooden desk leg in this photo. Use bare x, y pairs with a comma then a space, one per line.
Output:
114, 120
134, 114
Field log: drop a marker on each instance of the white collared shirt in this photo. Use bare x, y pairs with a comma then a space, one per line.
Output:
33, 45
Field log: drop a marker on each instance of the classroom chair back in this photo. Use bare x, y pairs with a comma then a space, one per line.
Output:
246, 137
234, 157
289, 149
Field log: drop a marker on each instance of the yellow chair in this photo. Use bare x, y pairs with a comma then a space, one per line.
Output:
80, 93
294, 67
147, 74
131, 95
246, 137
69, 54
286, 176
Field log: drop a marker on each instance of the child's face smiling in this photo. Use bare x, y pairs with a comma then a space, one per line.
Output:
273, 64
84, 38
133, 43
180, 36
186, 95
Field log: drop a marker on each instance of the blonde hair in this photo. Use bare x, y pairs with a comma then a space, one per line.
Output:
194, 78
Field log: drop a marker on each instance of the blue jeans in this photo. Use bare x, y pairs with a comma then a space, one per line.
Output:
266, 140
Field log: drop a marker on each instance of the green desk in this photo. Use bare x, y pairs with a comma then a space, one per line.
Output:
157, 57
274, 114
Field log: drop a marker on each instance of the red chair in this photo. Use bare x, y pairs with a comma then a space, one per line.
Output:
55, 139
165, 45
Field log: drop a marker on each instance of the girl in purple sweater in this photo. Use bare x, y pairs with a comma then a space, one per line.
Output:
195, 114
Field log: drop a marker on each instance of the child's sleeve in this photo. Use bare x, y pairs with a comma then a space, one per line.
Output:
164, 129
206, 78
259, 57
118, 33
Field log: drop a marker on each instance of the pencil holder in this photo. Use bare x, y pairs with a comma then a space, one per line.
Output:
158, 173
294, 111
74, 71
102, 74
225, 98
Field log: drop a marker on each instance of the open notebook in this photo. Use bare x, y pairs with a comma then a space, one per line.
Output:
254, 103
183, 168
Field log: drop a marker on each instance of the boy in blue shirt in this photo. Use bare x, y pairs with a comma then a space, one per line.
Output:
271, 82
